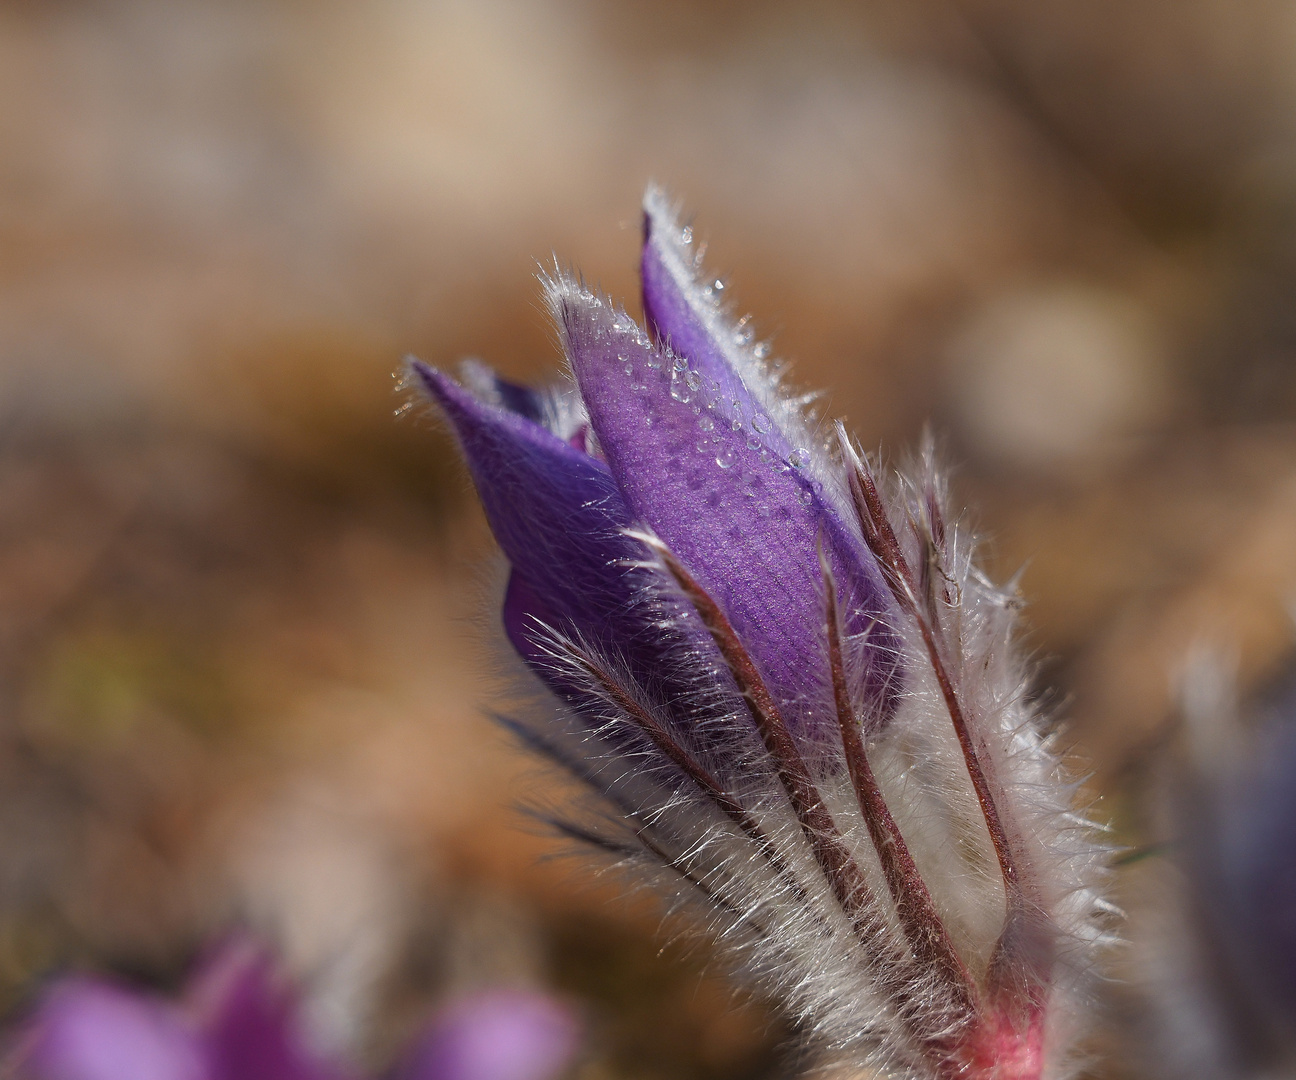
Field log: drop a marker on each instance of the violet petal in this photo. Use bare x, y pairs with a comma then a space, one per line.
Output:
252, 1026
496, 1035
555, 511
88, 1029
745, 523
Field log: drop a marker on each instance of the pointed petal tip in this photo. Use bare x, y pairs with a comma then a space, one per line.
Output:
663, 232
432, 380
661, 212
585, 316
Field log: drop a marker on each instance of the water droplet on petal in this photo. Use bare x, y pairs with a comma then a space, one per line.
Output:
681, 363
686, 234
654, 360
753, 441
724, 456
805, 497
693, 379
761, 423
679, 389
705, 422
799, 458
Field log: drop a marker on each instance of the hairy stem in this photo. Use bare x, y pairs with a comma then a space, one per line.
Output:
918, 917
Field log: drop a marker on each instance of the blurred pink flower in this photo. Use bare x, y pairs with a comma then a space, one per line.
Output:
237, 1020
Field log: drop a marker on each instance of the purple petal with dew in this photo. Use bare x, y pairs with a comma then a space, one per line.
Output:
496, 1035
683, 310
684, 314
746, 523
87, 1029
252, 1026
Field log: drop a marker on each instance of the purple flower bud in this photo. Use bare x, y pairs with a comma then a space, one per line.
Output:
789, 684
495, 1035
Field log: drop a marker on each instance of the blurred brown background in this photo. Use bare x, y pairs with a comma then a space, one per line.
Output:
242, 651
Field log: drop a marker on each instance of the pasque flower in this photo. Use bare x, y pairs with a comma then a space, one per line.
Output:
789, 689
238, 1020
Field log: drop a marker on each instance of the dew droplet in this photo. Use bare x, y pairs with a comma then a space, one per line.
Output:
679, 389
761, 423
761, 350
805, 497
681, 363
753, 441
765, 454
686, 234
654, 360
724, 456
799, 458
705, 422
693, 379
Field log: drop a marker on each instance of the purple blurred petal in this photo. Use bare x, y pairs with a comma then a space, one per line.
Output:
252, 1027
746, 523
87, 1029
497, 1035
1255, 899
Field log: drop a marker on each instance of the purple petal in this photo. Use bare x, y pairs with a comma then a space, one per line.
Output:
252, 1027
683, 313
487, 386
557, 514
1254, 898
498, 1035
745, 523
87, 1029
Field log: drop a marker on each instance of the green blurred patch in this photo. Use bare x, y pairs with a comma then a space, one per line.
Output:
101, 684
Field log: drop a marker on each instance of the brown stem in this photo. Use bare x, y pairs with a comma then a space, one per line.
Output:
839, 867
662, 739
882, 541
918, 917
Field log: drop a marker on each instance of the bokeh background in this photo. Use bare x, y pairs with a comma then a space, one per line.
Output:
245, 610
